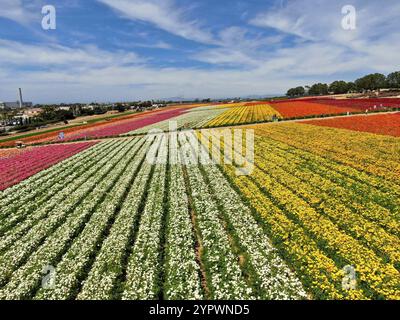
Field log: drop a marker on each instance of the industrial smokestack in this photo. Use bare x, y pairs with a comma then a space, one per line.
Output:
21, 102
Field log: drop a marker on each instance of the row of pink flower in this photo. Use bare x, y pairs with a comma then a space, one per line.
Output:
126, 126
21, 166
7, 153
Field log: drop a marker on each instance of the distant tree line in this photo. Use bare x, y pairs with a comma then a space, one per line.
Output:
375, 81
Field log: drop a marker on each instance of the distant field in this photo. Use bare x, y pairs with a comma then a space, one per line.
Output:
190, 116
114, 125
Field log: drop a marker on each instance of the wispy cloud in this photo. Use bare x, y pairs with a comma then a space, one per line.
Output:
156, 45
163, 14
14, 53
320, 20
16, 11
325, 45
294, 43
238, 48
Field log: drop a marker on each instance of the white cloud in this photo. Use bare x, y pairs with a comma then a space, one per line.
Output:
325, 47
50, 55
225, 56
237, 47
156, 45
87, 74
15, 10
320, 20
163, 14
244, 62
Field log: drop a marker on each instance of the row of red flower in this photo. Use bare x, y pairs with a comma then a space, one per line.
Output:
298, 108
111, 127
361, 104
385, 124
126, 126
23, 165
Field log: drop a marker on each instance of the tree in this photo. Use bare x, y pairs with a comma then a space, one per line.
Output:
290, 93
300, 91
393, 80
373, 81
319, 89
120, 107
296, 92
339, 87
352, 87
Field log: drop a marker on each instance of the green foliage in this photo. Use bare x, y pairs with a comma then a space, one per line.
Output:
296, 92
319, 89
352, 87
371, 82
393, 80
50, 113
374, 81
339, 87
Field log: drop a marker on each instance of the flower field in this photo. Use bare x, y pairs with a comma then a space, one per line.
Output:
244, 114
386, 124
111, 127
324, 211
104, 229
301, 109
194, 118
360, 104
82, 221
123, 127
19, 166
7, 153
216, 116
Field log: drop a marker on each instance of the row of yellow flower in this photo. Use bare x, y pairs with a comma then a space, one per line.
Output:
379, 200
318, 272
321, 222
373, 154
381, 277
383, 208
332, 201
244, 114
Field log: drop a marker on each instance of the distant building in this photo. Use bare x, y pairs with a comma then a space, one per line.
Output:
157, 105
30, 113
65, 108
15, 105
89, 107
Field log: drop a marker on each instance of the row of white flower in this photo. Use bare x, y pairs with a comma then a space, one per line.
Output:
78, 257
69, 196
275, 278
102, 281
224, 276
191, 119
58, 229
28, 189
41, 192
182, 272
143, 272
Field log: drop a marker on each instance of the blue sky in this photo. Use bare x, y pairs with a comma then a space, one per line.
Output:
108, 50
